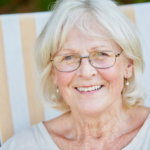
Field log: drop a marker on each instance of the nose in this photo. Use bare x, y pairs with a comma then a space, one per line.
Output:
86, 70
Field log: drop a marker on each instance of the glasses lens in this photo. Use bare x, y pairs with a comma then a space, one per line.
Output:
67, 62
103, 59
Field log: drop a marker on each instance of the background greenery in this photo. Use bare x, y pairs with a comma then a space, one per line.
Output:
24, 6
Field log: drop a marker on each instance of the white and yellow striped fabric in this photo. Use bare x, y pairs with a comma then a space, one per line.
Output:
18, 32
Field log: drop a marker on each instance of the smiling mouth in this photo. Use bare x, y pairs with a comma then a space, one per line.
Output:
89, 89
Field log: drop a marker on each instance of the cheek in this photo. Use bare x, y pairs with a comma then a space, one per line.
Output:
63, 78
114, 78
63, 81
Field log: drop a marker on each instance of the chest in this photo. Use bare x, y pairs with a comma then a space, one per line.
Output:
118, 144
97, 144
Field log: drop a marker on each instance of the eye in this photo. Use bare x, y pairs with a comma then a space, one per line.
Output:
68, 57
102, 54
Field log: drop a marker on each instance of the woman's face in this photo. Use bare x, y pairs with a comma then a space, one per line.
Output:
110, 80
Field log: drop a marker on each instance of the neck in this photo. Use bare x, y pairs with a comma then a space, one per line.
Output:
103, 125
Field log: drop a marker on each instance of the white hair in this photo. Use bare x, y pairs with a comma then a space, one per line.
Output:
87, 15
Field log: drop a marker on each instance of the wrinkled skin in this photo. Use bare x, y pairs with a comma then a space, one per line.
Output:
97, 120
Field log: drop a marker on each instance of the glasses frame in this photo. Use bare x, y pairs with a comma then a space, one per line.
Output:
81, 57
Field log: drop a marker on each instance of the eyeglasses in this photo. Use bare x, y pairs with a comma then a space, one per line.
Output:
71, 62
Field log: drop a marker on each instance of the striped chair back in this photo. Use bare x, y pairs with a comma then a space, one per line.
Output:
18, 32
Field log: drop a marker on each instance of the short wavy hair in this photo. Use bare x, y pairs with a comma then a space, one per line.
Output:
87, 15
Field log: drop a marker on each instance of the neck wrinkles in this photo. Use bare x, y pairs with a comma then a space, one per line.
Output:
104, 125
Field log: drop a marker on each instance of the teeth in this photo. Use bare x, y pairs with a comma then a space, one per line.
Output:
89, 89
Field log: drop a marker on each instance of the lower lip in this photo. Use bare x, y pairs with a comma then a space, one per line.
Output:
90, 92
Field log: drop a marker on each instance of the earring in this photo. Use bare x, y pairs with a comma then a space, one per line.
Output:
127, 83
57, 89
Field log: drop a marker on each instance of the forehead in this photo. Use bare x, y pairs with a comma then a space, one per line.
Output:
77, 40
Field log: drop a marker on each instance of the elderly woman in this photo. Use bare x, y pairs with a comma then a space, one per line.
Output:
89, 63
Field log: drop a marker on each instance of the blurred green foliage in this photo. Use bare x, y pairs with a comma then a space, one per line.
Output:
45, 5
131, 1
4, 2
24, 6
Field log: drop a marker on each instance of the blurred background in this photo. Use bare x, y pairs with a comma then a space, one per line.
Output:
24, 6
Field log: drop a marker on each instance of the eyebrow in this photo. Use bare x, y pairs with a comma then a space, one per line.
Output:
67, 50
72, 50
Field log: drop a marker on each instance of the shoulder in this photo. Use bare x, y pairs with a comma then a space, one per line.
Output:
139, 116
139, 137
143, 114
139, 111
23, 140
142, 111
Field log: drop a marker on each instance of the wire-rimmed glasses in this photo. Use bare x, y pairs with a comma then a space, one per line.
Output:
98, 59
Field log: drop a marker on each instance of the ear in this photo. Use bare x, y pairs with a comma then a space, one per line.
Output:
54, 76
129, 69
